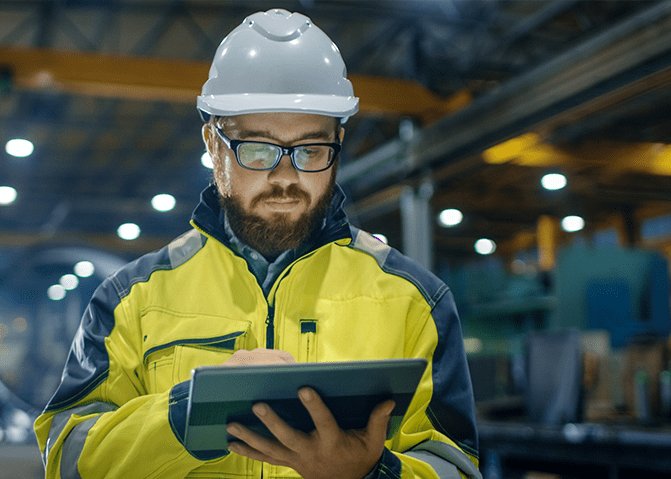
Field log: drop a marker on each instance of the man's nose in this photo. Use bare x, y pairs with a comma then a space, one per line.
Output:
284, 173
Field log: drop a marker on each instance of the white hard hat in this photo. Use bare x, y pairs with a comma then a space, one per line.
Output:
277, 61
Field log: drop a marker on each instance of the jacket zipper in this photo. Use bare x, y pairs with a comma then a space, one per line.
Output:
270, 328
270, 325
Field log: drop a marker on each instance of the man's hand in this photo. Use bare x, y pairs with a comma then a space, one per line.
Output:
325, 453
242, 357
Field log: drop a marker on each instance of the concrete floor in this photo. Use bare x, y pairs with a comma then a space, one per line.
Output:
20, 461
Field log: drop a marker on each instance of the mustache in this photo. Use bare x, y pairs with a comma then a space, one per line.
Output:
291, 193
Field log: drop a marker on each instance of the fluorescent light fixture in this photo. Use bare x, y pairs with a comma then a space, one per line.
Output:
128, 231
553, 181
450, 217
571, 224
84, 269
206, 160
485, 246
7, 195
69, 281
56, 292
19, 148
163, 202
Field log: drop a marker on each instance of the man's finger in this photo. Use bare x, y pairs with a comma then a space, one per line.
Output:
288, 437
325, 423
242, 357
379, 419
250, 438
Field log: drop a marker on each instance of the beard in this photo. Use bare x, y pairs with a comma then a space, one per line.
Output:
279, 233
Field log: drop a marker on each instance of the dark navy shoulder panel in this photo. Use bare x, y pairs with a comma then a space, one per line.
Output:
87, 365
452, 406
393, 262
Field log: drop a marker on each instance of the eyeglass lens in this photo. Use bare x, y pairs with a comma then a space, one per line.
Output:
260, 156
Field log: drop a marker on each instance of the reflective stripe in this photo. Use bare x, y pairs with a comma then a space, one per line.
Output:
393, 262
444, 469
58, 423
72, 448
183, 248
74, 442
436, 453
371, 245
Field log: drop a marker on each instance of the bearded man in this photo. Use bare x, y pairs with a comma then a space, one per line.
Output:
272, 272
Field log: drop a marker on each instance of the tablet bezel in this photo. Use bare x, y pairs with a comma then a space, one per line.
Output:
351, 389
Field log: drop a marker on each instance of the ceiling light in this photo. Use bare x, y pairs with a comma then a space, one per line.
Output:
485, 246
381, 237
84, 269
7, 195
19, 148
450, 217
571, 224
69, 281
128, 231
56, 292
206, 160
163, 202
553, 181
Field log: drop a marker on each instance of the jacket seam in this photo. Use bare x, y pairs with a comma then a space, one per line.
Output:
60, 406
125, 291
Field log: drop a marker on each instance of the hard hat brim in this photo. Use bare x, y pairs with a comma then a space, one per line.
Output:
244, 103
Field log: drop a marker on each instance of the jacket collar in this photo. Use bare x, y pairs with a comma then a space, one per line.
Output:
209, 217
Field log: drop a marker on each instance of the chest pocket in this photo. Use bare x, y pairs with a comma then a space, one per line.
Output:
170, 363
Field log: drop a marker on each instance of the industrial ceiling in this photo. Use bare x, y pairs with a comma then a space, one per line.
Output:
106, 92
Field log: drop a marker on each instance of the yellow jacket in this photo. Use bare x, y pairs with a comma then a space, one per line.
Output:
120, 409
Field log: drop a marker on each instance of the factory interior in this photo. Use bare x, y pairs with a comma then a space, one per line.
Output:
519, 149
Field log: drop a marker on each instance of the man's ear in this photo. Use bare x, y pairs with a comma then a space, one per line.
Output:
207, 138
341, 135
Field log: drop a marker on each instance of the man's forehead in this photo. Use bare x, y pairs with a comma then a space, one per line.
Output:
282, 120
284, 126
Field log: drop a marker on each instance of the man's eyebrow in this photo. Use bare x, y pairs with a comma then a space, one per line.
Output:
311, 135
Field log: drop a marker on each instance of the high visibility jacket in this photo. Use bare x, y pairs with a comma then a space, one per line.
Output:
120, 410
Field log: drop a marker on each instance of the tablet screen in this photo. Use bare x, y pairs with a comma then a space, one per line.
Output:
223, 394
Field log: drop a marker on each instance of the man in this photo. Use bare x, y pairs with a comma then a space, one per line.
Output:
271, 272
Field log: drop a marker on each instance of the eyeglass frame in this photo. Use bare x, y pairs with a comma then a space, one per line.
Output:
233, 145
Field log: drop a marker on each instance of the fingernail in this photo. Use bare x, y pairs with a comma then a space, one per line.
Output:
260, 409
232, 429
306, 394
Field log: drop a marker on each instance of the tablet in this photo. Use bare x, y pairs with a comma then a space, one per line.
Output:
223, 394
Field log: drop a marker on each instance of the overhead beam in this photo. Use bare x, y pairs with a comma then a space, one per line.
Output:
144, 78
608, 66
